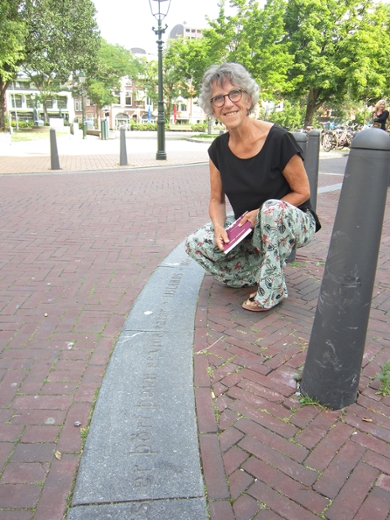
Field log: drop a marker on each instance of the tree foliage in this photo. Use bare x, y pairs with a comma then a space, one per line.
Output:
113, 63
316, 50
53, 39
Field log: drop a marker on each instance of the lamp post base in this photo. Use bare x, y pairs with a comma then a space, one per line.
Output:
161, 156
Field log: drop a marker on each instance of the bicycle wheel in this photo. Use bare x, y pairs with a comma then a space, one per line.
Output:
329, 141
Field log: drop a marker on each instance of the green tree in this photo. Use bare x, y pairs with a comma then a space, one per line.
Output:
12, 37
113, 63
63, 38
328, 41
49, 39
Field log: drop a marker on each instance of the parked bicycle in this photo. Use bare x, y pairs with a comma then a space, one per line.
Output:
339, 137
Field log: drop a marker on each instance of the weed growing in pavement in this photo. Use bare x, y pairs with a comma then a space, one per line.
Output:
306, 400
297, 264
210, 372
384, 378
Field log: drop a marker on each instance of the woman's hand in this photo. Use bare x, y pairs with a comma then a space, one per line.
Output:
251, 216
220, 236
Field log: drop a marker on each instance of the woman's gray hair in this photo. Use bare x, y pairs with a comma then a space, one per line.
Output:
236, 74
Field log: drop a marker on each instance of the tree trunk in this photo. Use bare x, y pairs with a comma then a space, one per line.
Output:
3, 89
311, 107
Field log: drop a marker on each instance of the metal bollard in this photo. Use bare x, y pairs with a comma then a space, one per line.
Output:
123, 152
55, 161
301, 139
332, 369
312, 164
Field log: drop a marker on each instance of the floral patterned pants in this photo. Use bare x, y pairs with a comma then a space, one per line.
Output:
260, 258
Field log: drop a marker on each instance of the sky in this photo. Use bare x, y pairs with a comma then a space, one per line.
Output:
129, 22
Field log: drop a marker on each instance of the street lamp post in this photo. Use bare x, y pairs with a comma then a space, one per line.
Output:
160, 11
82, 79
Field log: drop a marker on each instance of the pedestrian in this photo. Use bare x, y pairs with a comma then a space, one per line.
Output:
380, 115
258, 167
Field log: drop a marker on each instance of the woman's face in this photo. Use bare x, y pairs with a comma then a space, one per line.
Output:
231, 113
381, 106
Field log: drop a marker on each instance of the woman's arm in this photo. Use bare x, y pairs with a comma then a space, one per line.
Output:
296, 176
217, 206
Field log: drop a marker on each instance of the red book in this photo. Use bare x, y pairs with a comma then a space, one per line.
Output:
237, 233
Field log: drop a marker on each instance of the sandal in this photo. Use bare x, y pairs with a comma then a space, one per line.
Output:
252, 305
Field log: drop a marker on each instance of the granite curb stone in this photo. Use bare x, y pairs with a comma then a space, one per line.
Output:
142, 446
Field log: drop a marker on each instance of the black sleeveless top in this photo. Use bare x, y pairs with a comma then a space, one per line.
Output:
248, 183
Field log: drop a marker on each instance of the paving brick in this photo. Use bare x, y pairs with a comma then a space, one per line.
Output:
201, 376
6, 449
384, 482
227, 419
221, 510
213, 470
23, 473
45, 433
272, 440
239, 481
327, 448
348, 501
58, 484
259, 402
15, 514
229, 437
339, 470
233, 459
33, 452
245, 507
317, 429
27, 416
287, 486
261, 391
281, 505
10, 432
267, 514
204, 404
278, 460
272, 423
376, 506
23, 496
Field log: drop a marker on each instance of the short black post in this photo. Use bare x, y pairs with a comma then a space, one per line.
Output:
123, 152
334, 358
55, 161
301, 139
312, 164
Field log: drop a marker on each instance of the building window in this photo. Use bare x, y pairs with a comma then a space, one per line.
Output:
128, 99
49, 103
117, 96
77, 105
16, 101
62, 102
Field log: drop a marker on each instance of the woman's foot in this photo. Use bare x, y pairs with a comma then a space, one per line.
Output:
252, 305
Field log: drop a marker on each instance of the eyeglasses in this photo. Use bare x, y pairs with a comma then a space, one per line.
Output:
234, 96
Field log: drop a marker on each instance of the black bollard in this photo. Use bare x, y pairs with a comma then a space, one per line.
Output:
123, 152
55, 161
312, 164
332, 369
301, 139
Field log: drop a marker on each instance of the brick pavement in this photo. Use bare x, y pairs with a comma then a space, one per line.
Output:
76, 252
264, 454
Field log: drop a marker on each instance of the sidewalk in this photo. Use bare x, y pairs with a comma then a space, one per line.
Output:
93, 154
77, 250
